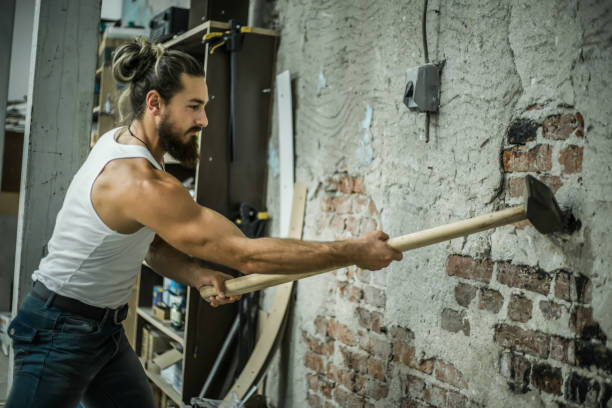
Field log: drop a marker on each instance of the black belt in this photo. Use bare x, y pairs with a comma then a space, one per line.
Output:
77, 307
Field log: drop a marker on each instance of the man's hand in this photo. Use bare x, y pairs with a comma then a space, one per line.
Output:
217, 279
373, 251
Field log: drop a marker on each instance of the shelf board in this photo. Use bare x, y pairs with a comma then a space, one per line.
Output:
194, 36
177, 335
99, 71
163, 385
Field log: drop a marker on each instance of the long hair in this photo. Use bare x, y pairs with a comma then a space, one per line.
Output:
143, 66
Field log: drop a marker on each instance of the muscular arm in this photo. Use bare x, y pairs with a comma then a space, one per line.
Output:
173, 264
164, 205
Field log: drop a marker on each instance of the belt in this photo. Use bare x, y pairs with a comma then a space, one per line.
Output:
77, 307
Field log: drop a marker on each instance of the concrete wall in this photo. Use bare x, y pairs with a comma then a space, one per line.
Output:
20, 52
507, 317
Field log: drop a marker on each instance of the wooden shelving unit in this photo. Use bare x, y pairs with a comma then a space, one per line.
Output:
220, 185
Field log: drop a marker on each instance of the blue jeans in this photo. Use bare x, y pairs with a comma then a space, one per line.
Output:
62, 358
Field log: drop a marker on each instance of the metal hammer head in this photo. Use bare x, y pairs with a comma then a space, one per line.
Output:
544, 212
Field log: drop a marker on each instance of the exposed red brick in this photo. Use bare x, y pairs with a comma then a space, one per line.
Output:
469, 268
516, 185
454, 321
363, 275
448, 373
573, 288
402, 333
346, 184
320, 347
338, 225
524, 277
350, 292
355, 361
519, 308
464, 294
358, 187
520, 158
314, 362
560, 127
325, 387
340, 376
435, 395
360, 204
517, 369
547, 378
359, 386
526, 341
313, 382
550, 310
341, 333
321, 325
562, 349
376, 390
377, 368
491, 300
413, 386
374, 296
406, 354
373, 344
347, 399
372, 320
352, 225
571, 159
314, 401
368, 225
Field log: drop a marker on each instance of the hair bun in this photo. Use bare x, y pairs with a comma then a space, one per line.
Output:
134, 59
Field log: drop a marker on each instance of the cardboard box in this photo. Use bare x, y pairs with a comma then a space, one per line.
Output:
161, 313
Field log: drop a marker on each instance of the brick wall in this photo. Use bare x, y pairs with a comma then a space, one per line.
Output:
353, 365
503, 318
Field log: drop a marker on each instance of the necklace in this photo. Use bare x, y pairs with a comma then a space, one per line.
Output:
146, 145
136, 137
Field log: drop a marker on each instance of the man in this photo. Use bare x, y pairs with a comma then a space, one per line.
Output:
122, 207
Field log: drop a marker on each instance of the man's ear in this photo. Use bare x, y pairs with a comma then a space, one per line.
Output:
154, 102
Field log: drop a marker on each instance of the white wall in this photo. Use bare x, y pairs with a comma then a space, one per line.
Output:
22, 45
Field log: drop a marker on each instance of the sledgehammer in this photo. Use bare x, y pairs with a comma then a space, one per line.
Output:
539, 207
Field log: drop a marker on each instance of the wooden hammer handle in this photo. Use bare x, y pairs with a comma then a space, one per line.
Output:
253, 282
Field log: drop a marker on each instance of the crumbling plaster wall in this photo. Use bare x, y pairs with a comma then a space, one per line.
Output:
504, 61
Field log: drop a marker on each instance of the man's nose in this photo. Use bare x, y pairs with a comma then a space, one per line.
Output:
202, 119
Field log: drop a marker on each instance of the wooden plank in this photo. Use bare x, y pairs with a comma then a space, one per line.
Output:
264, 345
285, 148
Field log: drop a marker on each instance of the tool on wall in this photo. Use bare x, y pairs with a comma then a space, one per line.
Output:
539, 207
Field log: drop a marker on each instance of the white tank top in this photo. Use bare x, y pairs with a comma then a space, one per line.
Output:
87, 260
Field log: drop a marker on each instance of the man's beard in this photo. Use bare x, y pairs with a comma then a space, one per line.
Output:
186, 153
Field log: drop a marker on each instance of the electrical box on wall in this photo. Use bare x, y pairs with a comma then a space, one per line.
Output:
422, 91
